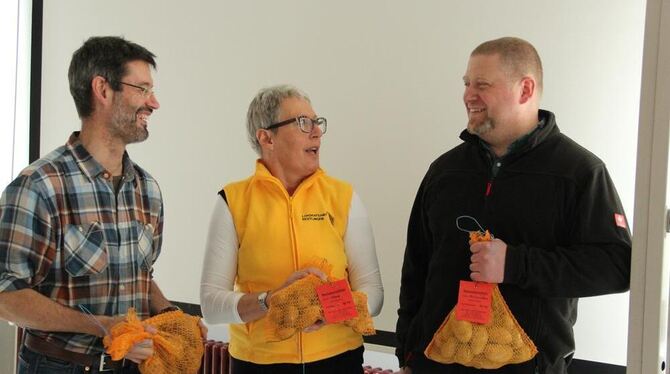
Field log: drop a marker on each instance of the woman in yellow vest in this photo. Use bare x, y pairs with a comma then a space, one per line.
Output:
267, 229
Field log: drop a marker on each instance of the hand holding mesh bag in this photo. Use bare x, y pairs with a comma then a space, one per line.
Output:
178, 346
296, 307
491, 345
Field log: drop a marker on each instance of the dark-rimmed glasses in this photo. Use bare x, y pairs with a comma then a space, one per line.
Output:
146, 91
305, 124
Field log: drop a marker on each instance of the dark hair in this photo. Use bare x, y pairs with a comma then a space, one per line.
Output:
104, 56
518, 56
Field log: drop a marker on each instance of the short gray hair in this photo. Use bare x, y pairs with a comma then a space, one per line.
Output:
264, 109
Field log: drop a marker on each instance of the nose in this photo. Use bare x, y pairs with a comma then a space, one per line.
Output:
316, 132
469, 94
153, 102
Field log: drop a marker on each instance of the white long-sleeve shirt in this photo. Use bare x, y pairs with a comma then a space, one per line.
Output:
218, 300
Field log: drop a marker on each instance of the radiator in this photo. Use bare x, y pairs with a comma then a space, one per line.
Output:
216, 359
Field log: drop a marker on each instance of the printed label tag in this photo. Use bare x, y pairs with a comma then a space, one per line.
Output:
474, 302
620, 220
336, 301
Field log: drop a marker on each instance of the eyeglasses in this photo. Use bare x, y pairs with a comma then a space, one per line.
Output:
146, 91
305, 124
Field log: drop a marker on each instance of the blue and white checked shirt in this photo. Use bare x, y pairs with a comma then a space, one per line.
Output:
65, 233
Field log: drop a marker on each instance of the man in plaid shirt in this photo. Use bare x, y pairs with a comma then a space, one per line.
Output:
81, 228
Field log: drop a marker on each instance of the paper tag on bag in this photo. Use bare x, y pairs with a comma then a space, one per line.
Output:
474, 302
336, 301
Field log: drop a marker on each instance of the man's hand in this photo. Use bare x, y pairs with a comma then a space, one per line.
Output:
487, 263
142, 350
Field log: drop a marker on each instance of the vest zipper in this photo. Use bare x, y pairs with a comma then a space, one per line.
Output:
296, 260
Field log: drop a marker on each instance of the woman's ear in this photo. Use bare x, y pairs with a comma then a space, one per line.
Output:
265, 139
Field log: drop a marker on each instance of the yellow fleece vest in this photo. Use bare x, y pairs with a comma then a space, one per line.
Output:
279, 234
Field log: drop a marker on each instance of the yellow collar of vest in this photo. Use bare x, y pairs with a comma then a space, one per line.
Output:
262, 173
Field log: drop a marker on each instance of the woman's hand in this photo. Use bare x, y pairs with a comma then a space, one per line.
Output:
299, 275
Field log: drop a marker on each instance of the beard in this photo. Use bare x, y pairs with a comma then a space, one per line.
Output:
480, 128
124, 123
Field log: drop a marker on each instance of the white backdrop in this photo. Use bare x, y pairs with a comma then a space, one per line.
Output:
386, 74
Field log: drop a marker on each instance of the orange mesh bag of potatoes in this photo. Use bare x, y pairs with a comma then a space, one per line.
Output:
294, 308
362, 323
297, 307
177, 345
492, 345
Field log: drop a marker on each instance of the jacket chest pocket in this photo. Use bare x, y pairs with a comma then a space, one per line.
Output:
85, 250
145, 240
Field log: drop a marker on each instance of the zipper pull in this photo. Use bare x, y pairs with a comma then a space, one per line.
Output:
489, 184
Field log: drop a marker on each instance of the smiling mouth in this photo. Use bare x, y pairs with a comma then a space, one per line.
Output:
144, 118
313, 150
476, 110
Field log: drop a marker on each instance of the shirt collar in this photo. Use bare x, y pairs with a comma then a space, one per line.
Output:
89, 165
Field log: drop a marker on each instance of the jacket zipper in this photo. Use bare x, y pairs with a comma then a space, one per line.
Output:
296, 260
495, 168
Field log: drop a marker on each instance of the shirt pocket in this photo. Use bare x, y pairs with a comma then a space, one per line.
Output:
85, 249
145, 241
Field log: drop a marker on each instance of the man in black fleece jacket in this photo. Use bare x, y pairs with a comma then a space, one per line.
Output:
560, 229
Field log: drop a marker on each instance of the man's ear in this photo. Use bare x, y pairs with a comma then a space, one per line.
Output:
527, 89
100, 90
264, 138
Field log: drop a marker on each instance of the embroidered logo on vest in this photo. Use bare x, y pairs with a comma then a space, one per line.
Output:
318, 217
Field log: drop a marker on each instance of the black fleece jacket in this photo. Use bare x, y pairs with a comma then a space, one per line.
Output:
553, 203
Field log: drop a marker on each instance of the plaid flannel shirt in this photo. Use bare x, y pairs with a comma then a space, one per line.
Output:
66, 234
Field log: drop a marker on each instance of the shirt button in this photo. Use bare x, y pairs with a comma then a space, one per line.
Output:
81, 229
498, 164
122, 287
105, 175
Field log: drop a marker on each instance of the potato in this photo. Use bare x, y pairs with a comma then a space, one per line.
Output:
498, 353
448, 349
508, 323
291, 316
463, 354
522, 354
479, 339
517, 341
462, 330
310, 315
499, 335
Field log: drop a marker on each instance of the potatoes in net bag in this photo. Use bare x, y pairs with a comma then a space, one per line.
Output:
296, 307
178, 346
499, 342
362, 323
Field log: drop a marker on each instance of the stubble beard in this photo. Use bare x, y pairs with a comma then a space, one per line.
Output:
480, 128
124, 124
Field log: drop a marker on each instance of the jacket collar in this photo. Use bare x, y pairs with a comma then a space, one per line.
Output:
545, 129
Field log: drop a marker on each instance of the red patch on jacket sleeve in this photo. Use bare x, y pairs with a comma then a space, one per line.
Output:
620, 220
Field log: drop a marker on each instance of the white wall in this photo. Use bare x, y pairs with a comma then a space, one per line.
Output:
386, 74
